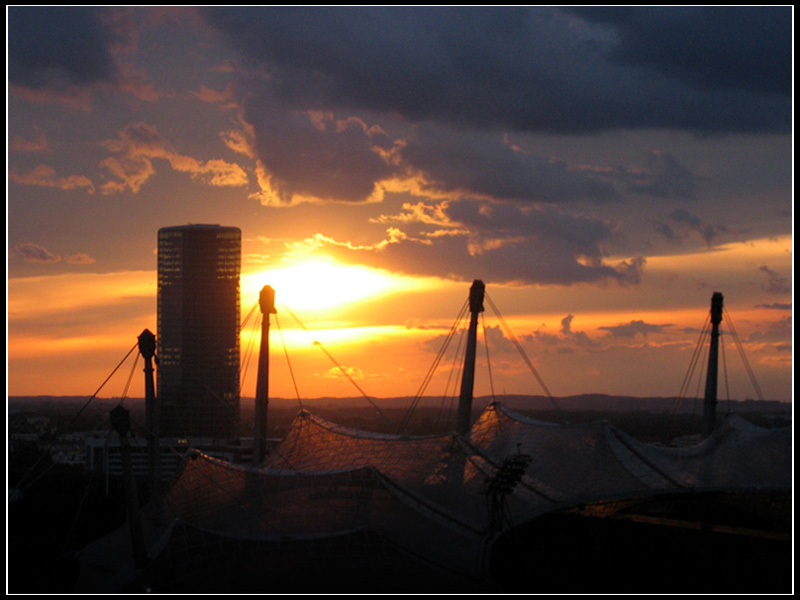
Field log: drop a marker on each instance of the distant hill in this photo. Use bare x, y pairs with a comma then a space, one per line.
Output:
580, 402
605, 402
647, 419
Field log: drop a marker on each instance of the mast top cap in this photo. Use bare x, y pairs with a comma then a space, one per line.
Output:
476, 292
147, 344
716, 307
266, 300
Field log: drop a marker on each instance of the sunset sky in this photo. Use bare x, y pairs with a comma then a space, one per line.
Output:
602, 170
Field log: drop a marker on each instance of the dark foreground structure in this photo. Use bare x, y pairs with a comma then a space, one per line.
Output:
520, 505
506, 504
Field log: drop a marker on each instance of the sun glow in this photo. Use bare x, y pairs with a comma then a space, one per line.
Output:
320, 284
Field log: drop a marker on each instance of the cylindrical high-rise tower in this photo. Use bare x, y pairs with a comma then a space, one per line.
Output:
198, 330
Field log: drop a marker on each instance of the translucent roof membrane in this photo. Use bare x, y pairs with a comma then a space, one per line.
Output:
432, 496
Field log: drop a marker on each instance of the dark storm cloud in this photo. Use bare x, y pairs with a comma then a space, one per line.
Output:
708, 232
777, 332
534, 69
58, 46
573, 235
775, 284
733, 47
775, 306
681, 215
478, 164
316, 155
665, 177
665, 230
501, 243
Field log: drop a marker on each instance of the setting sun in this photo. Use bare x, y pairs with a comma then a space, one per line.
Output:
319, 284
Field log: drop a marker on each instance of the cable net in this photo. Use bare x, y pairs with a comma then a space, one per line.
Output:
443, 499
572, 464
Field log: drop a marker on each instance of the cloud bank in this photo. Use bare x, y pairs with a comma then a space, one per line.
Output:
530, 69
445, 112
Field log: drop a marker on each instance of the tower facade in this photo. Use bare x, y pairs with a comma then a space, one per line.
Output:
198, 330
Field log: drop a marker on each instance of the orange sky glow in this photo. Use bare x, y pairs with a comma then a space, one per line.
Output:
569, 177
379, 326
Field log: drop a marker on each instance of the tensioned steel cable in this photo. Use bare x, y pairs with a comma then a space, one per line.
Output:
130, 379
693, 363
454, 375
82, 502
743, 356
249, 352
289, 362
342, 370
725, 370
488, 361
249, 314
432, 369
521, 350
78, 414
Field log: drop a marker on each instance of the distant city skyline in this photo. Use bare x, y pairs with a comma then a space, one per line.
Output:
603, 170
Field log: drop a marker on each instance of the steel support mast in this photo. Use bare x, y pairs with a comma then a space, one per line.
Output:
710, 401
266, 301
468, 376
147, 348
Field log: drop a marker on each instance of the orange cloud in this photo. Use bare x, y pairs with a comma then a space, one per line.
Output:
138, 143
45, 176
420, 213
239, 142
38, 144
215, 172
211, 96
74, 97
79, 259
134, 82
132, 171
34, 253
